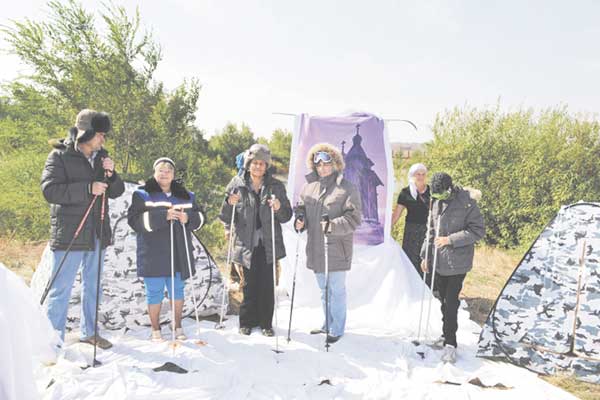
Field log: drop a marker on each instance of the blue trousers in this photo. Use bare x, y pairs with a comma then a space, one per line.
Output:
155, 288
60, 293
337, 301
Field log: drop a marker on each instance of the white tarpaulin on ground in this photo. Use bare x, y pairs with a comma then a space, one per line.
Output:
26, 338
363, 365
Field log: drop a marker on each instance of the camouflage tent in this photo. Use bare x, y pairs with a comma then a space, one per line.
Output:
547, 317
123, 300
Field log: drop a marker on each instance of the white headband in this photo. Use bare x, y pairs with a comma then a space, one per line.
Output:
161, 160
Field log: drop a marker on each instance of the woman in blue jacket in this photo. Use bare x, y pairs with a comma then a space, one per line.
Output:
163, 201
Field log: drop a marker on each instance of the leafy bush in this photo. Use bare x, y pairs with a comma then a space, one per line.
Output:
526, 164
24, 214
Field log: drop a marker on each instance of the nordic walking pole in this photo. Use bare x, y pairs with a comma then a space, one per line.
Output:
64, 257
418, 341
274, 272
325, 218
102, 212
229, 251
435, 254
299, 218
173, 343
189, 263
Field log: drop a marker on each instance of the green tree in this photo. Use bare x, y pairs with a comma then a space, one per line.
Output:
230, 142
280, 145
75, 67
526, 164
102, 61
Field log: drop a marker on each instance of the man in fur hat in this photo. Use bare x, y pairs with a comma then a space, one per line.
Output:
460, 227
76, 171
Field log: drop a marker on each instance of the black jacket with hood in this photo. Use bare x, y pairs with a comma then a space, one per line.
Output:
245, 217
66, 184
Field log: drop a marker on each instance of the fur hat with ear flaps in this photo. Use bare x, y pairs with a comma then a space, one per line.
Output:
83, 125
89, 122
101, 122
336, 155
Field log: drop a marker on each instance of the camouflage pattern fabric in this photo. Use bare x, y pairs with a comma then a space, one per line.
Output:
547, 317
123, 303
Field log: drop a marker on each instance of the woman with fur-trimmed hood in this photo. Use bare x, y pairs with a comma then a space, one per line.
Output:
328, 193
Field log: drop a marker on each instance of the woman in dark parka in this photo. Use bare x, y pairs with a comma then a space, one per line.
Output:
163, 201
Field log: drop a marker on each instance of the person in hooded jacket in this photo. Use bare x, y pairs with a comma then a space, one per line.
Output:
460, 227
328, 193
159, 208
77, 171
249, 197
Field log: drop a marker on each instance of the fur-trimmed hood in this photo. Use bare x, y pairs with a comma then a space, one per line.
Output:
177, 189
63, 144
338, 159
475, 194
68, 144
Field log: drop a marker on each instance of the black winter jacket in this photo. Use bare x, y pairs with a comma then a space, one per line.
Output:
245, 217
66, 185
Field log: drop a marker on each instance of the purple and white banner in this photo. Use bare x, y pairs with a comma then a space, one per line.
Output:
363, 141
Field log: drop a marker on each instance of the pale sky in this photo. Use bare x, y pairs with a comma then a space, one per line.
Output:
396, 59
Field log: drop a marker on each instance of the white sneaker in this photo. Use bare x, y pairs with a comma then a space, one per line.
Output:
179, 334
157, 336
438, 343
449, 355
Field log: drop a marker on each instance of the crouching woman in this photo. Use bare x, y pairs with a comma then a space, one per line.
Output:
161, 212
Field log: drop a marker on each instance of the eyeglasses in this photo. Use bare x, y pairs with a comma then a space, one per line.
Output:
322, 156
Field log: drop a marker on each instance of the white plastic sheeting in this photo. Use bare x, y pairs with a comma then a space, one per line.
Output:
26, 338
375, 359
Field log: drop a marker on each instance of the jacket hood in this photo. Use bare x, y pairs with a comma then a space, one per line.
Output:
177, 189
473, 194
69, 144
338, 159
62, 144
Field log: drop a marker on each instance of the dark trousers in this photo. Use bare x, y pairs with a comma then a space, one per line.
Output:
449, 287
257, 307
412, 241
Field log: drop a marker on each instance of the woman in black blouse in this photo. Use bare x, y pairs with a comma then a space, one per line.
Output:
415, 199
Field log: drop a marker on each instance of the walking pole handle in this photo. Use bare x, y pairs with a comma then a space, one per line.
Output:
327, 221
235, 190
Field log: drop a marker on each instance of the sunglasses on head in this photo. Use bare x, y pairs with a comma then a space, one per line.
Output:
322, 156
